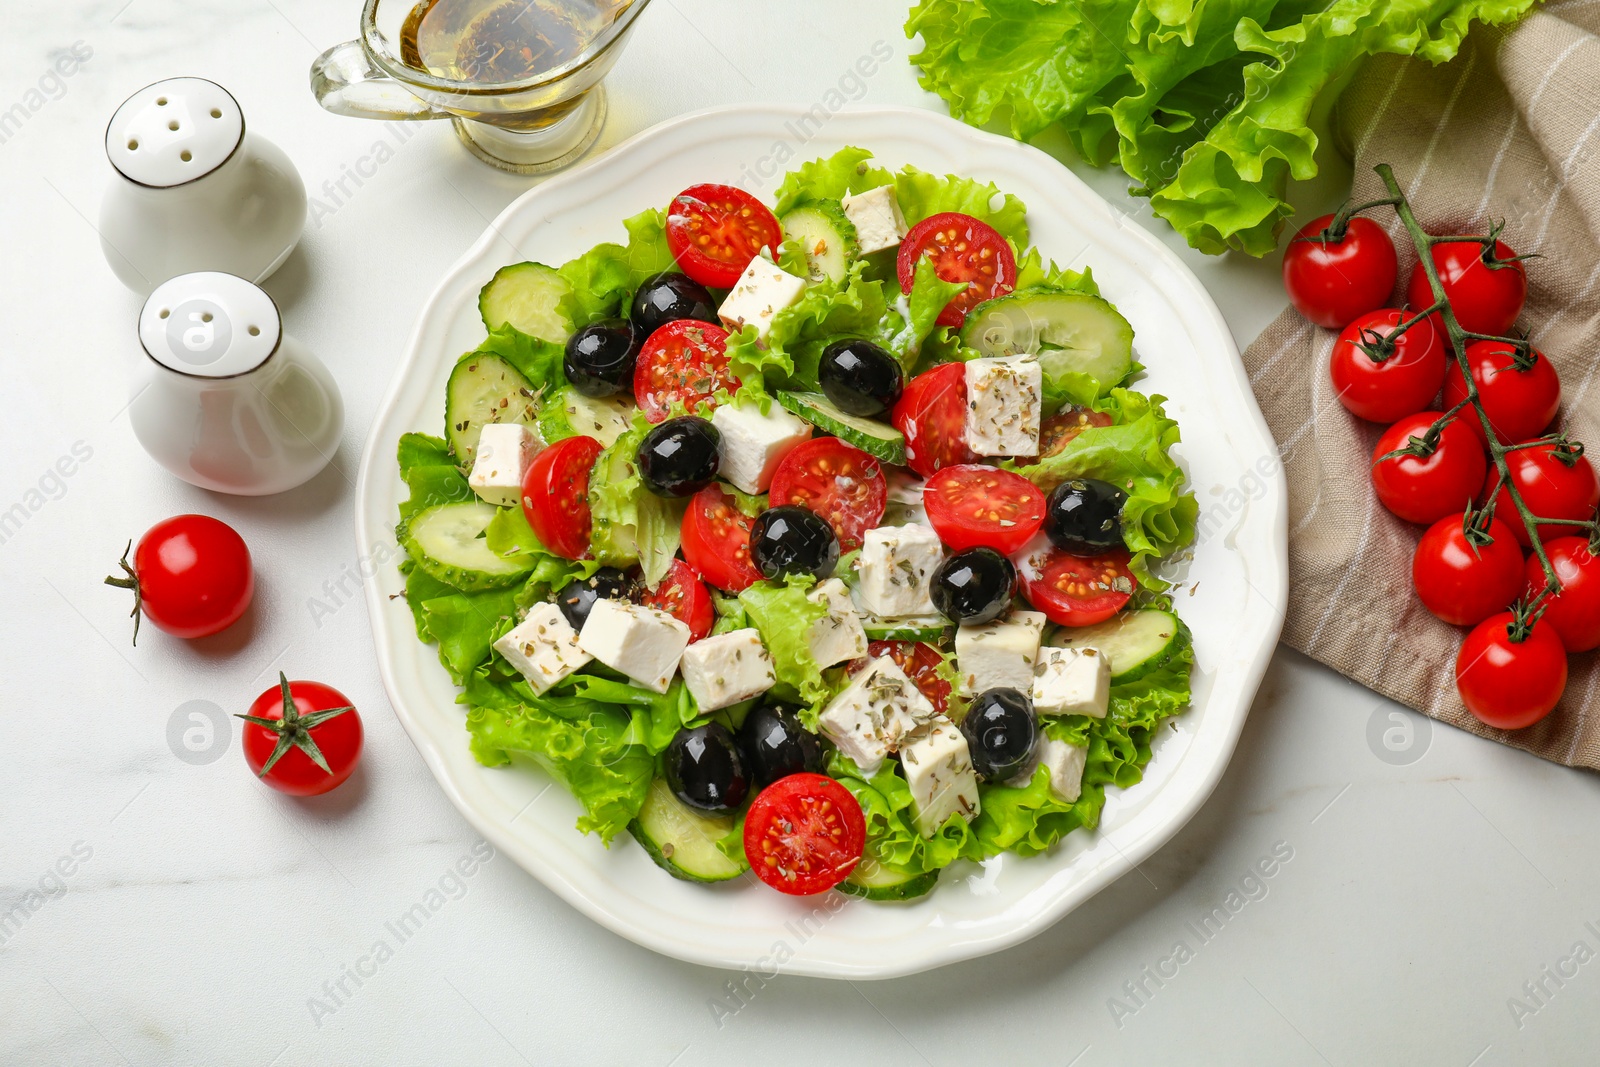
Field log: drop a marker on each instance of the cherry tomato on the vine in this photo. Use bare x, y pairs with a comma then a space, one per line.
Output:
1575, 613
1486, 289
1461, 579
1555, 482
1333, 282
302, 738
1521, 393
1427, 488
1508, 676
1400, 376
190, 576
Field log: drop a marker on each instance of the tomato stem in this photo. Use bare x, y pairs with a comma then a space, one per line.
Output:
130, 582
1424, 242
294, 729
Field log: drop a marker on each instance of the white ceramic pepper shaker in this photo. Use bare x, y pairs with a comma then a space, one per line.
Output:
226, 401
194, 190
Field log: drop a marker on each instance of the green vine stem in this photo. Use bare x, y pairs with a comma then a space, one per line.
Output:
1458, 337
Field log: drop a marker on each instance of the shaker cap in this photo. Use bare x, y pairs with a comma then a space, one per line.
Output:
210, 325
174, 132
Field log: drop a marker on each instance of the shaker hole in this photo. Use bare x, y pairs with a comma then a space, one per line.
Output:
172, 125
165, 312
186, 155
205, 316
133, 146
161, 101
255, 331
216, 112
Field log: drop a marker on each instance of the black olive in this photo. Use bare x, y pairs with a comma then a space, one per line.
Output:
577, 597
666, 297
600, 358
1084, 516
860, 377
704, 769
793, 540
775, 745
1001, 732
974, 586
679, 457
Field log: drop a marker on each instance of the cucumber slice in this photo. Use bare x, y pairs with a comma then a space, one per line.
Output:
825, 235
877, 439
681, 841
484, 389
571, 414
904, 627
1069, 331
874, 881
448, 543
1133, 643
527, 296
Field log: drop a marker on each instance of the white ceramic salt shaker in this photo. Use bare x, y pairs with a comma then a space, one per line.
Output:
225, 400
194, 190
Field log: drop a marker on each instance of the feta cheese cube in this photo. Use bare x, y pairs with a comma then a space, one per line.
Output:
643, 643
761, 292
542, 647
1071, 681
938, 770
1003, 405
896, 568
502, 456
752, 444
837, 636
876, 216
875, 713
1064, 762
999, 654
727, 668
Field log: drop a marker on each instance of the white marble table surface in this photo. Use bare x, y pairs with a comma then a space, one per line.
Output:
1429, 894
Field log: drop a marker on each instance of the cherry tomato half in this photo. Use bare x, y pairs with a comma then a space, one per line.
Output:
920, 662
1461, 582
1506, 683
685, 597
1551, 486
963, 249
1486, 291
714, 231
555, 495
1074, 590
716, 540
803, 834
302, 738
932, 414
1520, 401
191, 576
837, 481
1574, 614
970, 505
1426, 489
1403, 383
1333, 283
685, 361
1058, 430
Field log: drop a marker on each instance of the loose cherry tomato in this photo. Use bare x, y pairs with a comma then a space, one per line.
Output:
555, 495
1554, 483
963, 249
1486, 289
932, 414
685, 597
970, 505
1334, 282
1058, 430
837, 481
302, 738
803, 834
714, 231
1574, 614
1074, 590
1427, 488
1401, 377
190, 577
1509, 678
685, 361
1462, 579
716, 540
920, 662
1520, 393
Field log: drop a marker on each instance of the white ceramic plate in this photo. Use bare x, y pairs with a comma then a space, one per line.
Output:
1233, 596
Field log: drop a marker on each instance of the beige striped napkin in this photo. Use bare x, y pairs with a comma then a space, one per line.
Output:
1509, 129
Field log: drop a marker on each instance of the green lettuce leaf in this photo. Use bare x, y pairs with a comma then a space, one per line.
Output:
784, 616
847, 171
539, 361
631, 524
603, 279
